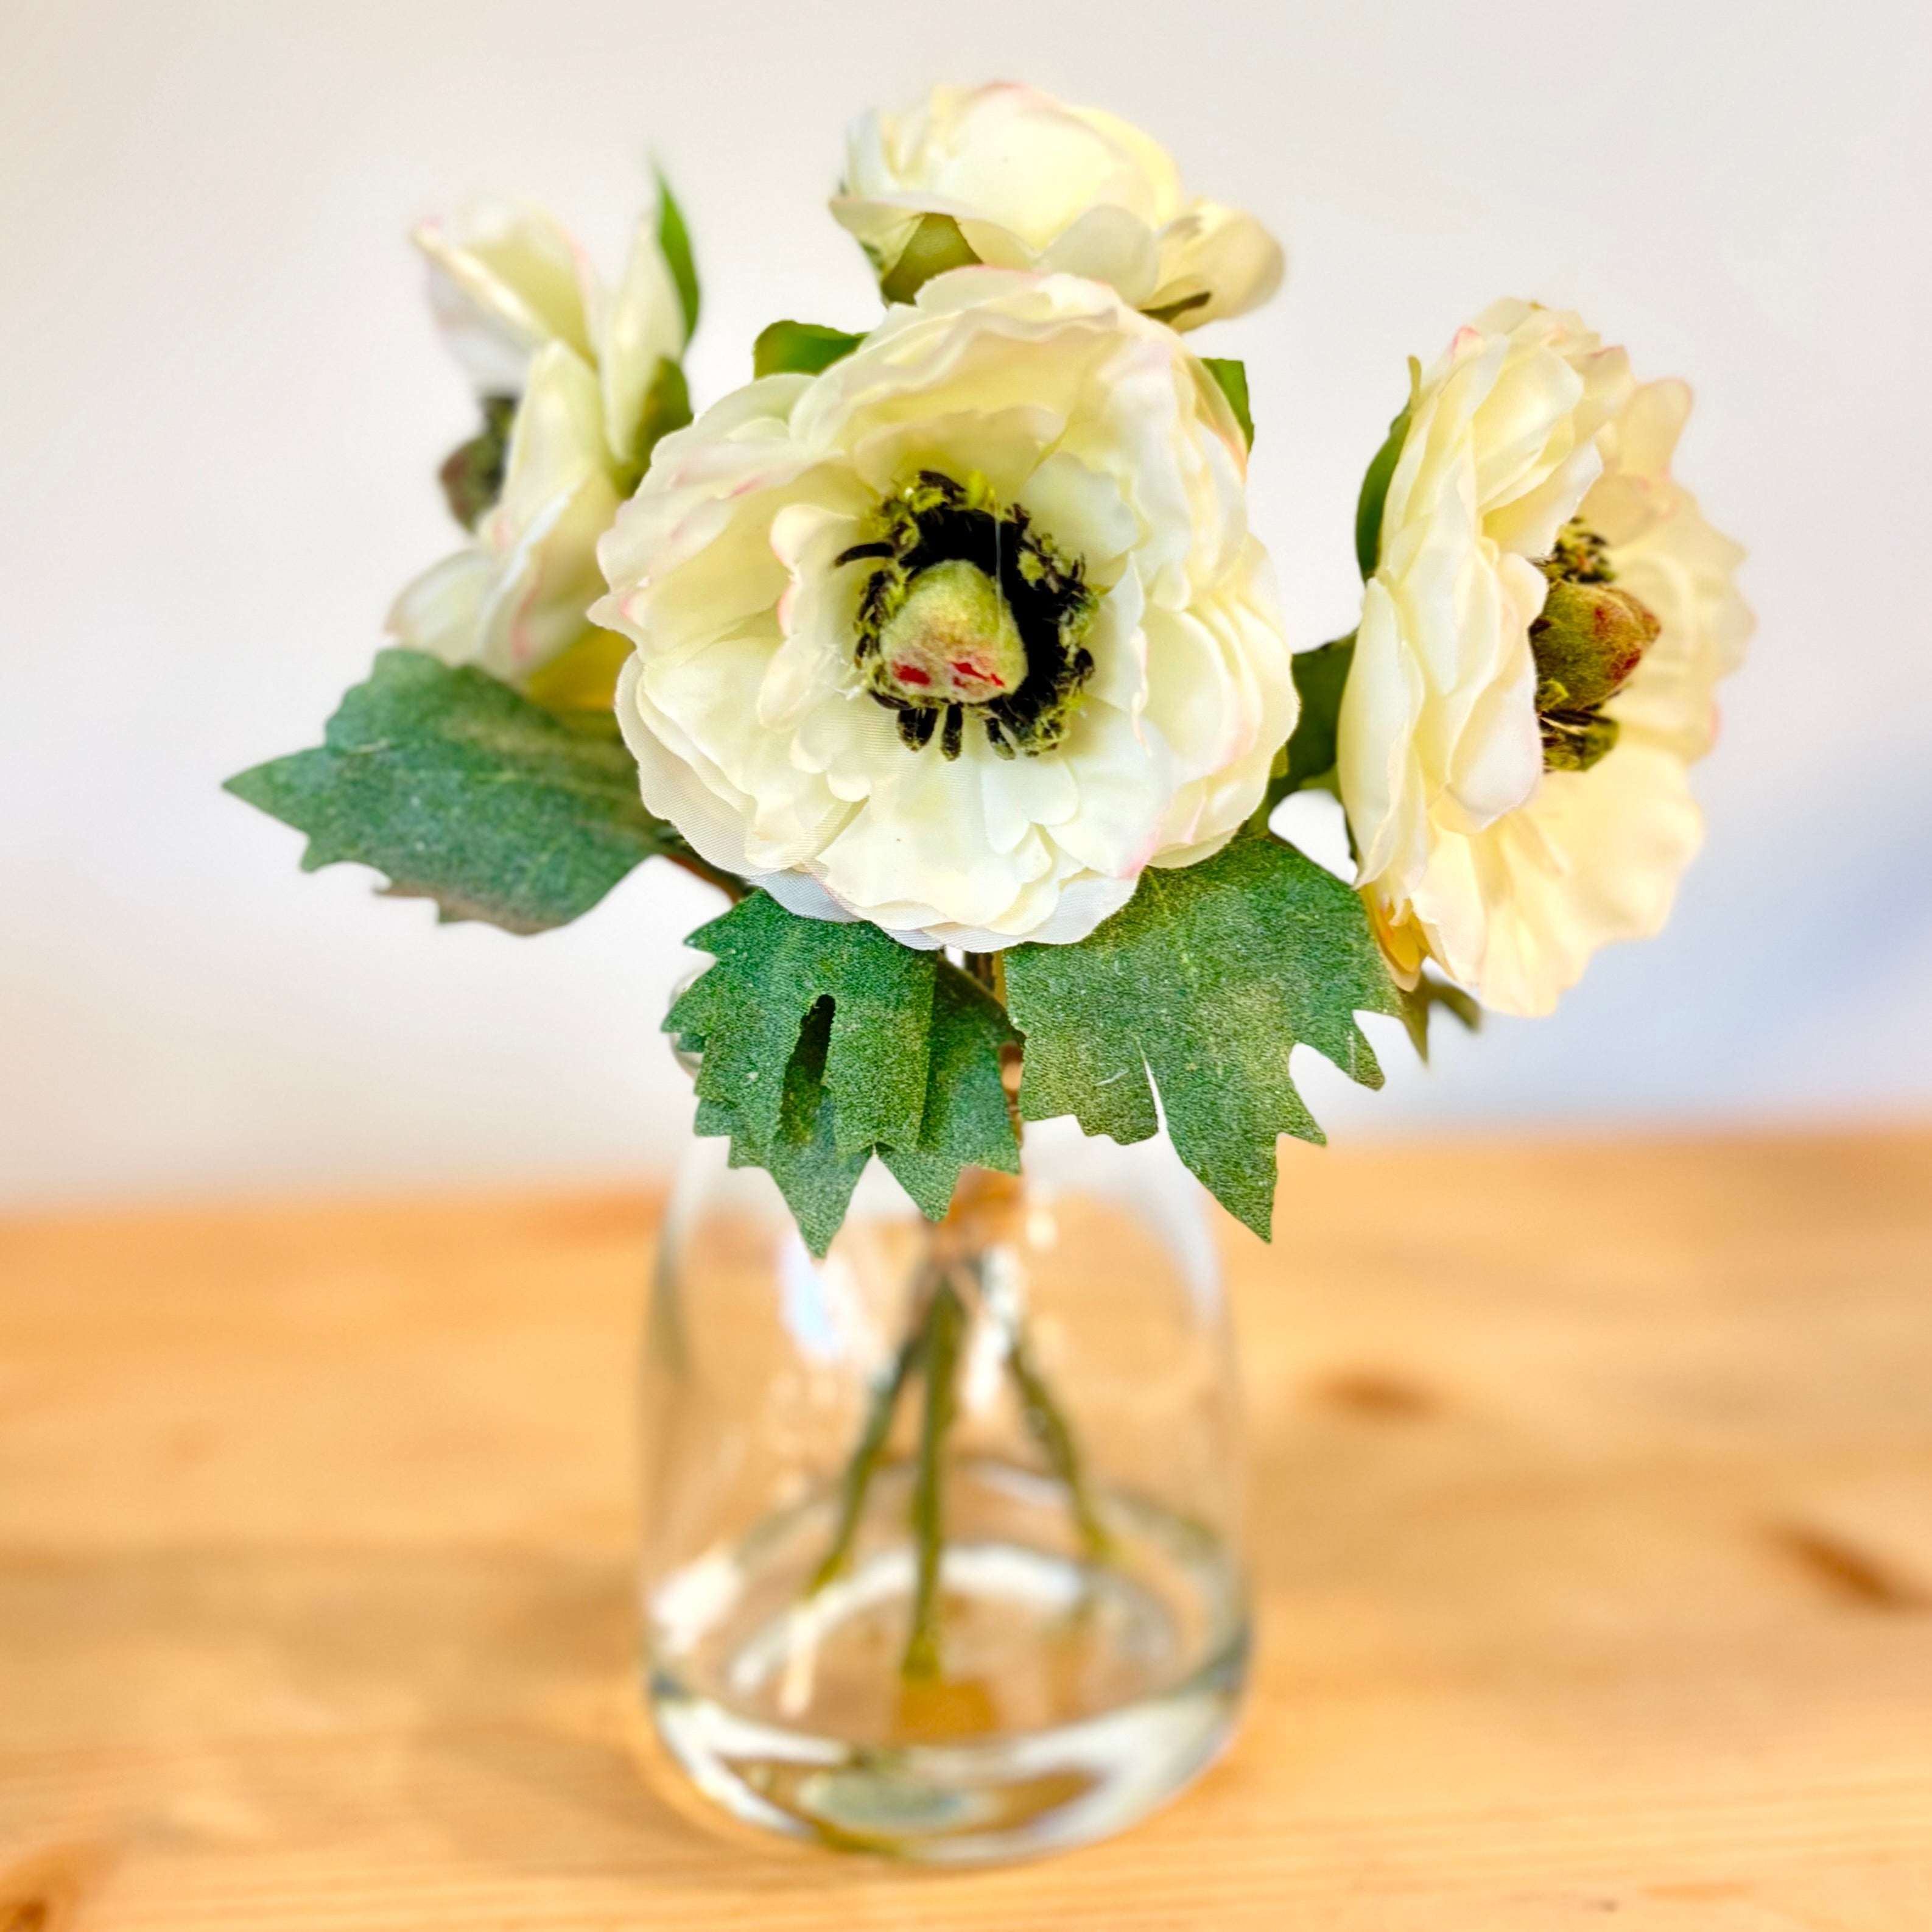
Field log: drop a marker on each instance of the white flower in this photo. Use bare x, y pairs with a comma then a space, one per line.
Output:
830, 694
1487, 841
526, 317
1033, 184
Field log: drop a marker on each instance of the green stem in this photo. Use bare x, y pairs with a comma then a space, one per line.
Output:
1048, 1425
863, 1464
944, 1325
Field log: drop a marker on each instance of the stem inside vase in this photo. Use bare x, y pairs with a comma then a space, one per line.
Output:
953, 1285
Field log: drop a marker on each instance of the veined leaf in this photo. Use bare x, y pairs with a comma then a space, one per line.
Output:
824, 1043
967, 1122
800, 1153
462, 791
771, 969
1201, 987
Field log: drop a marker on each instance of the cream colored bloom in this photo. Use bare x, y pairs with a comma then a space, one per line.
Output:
528, 319
959, 635
1508, 873
1033, 184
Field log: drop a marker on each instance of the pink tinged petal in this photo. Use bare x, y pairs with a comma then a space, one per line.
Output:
441, 611
922, 839
1002, 445
699, 705
679, 783
1125, 784
1083, 509
1192, 699
1120, 649
557, 501
1110, 245
816, 611
848, 738
1594, 859
639, 325
1498, 758
1221, 252
505, 279
1375, 759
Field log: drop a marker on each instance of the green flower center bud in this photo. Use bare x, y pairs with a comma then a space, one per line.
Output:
968, 612
953, 641
1590, 636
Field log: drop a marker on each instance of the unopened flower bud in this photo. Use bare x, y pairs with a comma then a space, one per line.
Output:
1589, 639
472, 474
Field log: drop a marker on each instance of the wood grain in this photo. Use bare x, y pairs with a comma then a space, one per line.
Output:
1593, 1530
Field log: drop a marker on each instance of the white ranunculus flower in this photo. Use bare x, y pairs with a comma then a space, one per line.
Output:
570, 365
1496, 833
1033, 184
959, 635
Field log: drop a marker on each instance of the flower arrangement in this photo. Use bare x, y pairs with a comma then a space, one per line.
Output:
945, 650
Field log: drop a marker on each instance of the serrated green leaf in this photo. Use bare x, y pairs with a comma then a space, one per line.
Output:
967, 1122
1375, 482
800, 348
823, 1044
1231, 377
801, 1153
770, 969
1206, 981
674, 239
463, 792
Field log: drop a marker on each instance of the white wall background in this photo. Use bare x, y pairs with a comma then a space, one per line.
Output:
221, 403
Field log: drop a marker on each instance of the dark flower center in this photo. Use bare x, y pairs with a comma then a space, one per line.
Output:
967, 609
1590, 636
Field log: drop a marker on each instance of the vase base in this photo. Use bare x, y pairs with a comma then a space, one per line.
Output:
1077, 1693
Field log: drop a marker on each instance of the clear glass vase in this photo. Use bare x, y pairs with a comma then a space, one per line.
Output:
942, 1545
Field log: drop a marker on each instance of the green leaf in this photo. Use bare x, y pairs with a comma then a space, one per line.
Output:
800, 348
1206, 981
674, 238
1376, 483
1420, 1003
936, 245
801, 1153
967, 1122
771, 968
823, 1044
667, 407
463, 792
1320, 678
1232, 377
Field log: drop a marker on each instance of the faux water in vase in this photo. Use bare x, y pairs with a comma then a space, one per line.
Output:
942, 1549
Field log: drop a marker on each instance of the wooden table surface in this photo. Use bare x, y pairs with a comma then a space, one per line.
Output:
1593, 1537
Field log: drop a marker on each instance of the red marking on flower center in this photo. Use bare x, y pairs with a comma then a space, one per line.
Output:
907, 673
